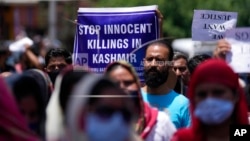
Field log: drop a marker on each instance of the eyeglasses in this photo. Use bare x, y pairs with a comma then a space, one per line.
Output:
181, 69
106, 112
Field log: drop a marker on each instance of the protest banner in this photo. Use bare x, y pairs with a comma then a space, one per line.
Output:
105, 35
239, 57
209, 25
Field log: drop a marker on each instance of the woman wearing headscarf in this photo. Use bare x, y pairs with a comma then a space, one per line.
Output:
12, 124
217, 101
98, 110
44, 82
30, 99
152, 125
55, 110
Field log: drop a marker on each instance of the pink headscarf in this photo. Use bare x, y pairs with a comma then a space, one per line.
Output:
12, 124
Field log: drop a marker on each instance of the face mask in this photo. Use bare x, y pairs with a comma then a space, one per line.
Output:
154, 80
53, 75
214, 111
112, 129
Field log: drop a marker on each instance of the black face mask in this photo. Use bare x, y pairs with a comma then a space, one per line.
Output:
154, 80
53, 75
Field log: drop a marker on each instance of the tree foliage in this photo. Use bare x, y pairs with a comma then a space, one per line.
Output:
178, 14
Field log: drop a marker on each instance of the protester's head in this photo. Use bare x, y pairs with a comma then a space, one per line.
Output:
196, 60
126, 77
180, 67
55, 60
157, 59
215, 95
55, 111
99, 106
70, 78
12, 123
44, 82
30, 100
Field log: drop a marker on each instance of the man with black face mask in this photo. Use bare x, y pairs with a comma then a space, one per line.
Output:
55, 60
181, 70
157, 65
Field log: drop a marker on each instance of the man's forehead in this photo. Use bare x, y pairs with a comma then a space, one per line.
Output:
158, 45
58, 58
157, 50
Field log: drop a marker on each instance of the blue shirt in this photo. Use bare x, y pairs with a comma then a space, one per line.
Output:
174, 104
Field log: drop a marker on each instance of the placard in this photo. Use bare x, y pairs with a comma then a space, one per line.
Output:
209, 25
105, 35
239, 56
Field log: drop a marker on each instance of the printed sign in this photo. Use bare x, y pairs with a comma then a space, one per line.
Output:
209, 25
239, 57
105, 35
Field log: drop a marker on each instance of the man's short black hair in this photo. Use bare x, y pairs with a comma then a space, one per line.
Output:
166, 43
196, 60
58, 52
178, 55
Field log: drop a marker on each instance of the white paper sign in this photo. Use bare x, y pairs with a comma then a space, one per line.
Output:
210, 25
19, 46
239, 57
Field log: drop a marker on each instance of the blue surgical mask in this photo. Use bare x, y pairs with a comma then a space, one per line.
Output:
213, 111
111, 129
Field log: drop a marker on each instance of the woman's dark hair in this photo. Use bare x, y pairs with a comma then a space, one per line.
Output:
27, 86
99, 87
196, 60
68, 82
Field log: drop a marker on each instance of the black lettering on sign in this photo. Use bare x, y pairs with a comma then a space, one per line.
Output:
217, 37
215, 17
242, 36
217, 27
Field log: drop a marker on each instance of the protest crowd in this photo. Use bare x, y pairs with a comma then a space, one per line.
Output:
45, 96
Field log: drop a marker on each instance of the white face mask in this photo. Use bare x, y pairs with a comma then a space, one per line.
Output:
214, 111
112, 129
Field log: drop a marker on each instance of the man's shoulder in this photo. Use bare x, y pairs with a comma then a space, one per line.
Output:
180, 98
177, 95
